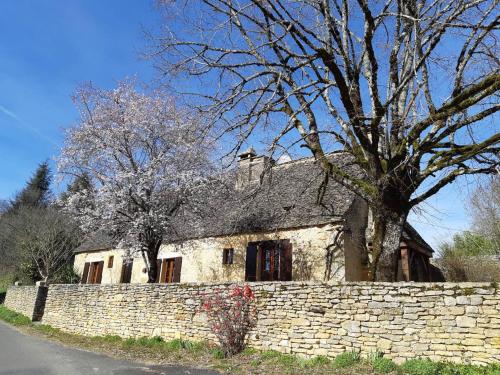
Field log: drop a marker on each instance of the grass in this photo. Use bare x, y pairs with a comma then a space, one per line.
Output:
13, 318
188, 353
427, 367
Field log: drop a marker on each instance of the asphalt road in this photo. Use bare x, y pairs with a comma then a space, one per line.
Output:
21, 354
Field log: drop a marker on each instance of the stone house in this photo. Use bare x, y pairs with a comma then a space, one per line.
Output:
266, 227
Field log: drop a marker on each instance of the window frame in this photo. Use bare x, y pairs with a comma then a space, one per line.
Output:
169, 270
228, 256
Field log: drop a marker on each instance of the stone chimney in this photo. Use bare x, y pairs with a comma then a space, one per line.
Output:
251, 167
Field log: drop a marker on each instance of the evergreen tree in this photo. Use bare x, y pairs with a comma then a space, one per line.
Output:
79, 184
36, 193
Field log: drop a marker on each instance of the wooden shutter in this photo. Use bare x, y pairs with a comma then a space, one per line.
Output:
158, 270
100, 266
224, 256
251, 263
177, 270
85, 274
286, 261
126, 271
164, 267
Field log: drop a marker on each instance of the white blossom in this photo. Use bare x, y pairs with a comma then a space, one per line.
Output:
144, 156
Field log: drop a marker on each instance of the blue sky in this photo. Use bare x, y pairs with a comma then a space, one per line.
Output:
49, 47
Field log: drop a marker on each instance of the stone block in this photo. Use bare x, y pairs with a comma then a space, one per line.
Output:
465, 321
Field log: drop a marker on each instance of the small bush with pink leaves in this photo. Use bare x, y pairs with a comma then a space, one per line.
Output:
230, 315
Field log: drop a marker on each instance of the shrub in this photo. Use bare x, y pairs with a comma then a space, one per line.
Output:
218, 354
6, 280
383, 365
230, 317
346, 359
464, 268
422, 367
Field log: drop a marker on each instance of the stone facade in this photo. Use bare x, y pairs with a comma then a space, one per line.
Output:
441, 321
202, 258
27, 300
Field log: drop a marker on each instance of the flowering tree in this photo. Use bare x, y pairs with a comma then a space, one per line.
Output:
230, 317
142, 156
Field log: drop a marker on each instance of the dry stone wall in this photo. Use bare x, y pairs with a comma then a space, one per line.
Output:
27, 300
442, 321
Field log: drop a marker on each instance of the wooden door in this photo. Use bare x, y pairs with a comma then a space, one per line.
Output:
171, 270
95, 272
270, 261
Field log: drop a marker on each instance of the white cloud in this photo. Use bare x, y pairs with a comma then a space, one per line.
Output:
14, 116
9, 113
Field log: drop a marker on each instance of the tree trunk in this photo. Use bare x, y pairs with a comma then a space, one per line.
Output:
150, 255
386, 246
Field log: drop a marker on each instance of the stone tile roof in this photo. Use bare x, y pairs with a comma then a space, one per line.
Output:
411, 233
97, 241
286, 197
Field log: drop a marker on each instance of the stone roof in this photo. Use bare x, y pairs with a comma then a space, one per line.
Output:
285, 197
97, 241
411, 233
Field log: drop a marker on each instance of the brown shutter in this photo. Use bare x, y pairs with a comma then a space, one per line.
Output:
100, 266
85, 274
177, 270
224, 256
286, 263
124, 269
127, 271
158, 270
163, 275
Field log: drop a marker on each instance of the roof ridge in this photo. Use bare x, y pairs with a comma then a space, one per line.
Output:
308, 158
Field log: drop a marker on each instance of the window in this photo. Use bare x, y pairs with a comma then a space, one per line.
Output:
110, 261
92, 273
269, 261
227, 256
169, 270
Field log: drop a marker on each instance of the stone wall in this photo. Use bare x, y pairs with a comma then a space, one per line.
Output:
27, 300
442, 321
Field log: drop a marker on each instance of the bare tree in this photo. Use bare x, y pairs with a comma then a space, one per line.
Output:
44, 238
485, 206
142, 157
405, 87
